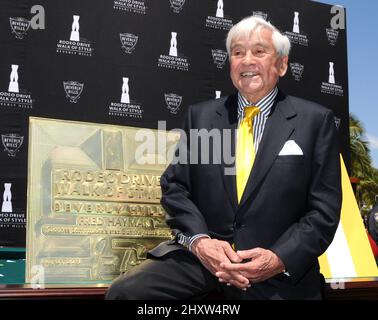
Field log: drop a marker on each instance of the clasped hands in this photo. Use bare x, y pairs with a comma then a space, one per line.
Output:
241, 268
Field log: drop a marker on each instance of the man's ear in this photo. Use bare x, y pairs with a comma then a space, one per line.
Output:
282, 68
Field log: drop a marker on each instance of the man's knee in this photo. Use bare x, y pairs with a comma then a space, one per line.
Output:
175, 276
125, 287
116, 290
137, 284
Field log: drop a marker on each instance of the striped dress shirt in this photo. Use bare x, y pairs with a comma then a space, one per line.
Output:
259, 121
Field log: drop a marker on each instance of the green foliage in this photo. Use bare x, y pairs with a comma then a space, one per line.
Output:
361, 165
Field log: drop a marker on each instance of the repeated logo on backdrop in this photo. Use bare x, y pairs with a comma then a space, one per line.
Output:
12, 142
296, 70
297, 36
332, 36
126, 107
177, 5
133, 6
19, 26
331, 87
219, 21
128, 42
337, 122
76, 45
73, 90
7, 197
260, 14
9, 215
173, 60
219, 57
15, 96
173, 102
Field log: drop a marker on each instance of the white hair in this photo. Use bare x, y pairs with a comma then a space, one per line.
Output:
253, 23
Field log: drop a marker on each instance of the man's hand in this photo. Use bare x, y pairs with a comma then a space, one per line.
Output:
263, 265
212, 253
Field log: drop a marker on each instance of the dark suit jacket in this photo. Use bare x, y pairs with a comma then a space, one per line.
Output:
291, 204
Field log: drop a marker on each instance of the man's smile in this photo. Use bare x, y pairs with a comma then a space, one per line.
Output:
248, 74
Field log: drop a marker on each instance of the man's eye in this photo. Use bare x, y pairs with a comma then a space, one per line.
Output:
259, 51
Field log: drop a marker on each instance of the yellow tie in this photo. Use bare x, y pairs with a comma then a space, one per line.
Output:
245, 149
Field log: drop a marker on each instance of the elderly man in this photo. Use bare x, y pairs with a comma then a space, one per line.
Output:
257, 233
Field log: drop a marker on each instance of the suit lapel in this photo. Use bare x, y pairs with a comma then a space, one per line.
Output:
277, 130
226, 118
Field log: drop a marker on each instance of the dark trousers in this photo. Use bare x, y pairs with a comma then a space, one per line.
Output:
180, 275
177, 275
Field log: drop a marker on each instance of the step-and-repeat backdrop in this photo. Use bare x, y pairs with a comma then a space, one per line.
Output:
134, 62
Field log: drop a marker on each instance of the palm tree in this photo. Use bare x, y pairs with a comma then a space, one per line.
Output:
359, 151
361, 165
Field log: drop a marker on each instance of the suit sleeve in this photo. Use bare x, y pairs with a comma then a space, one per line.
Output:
182, 215
301, 244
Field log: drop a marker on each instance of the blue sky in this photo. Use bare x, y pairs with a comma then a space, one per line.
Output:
362, 37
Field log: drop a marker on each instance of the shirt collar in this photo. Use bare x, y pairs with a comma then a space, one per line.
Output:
265, 104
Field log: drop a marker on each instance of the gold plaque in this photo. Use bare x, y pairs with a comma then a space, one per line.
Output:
93, 198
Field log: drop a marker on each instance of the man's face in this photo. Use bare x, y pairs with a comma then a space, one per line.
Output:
255, 65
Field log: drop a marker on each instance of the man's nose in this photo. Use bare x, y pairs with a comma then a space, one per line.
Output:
249, 58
